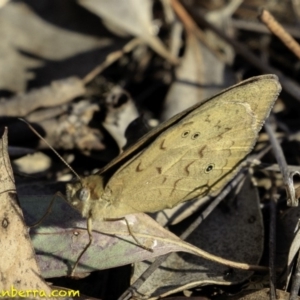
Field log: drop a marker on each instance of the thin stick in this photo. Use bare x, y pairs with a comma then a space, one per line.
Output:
279, 155
255, 26
192, 27
111, 58
276, 28
295, 281
272, 242
288, 85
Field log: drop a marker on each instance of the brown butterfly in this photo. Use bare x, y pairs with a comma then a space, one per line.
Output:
193, 154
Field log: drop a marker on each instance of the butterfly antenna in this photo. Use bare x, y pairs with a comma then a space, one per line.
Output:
58, 155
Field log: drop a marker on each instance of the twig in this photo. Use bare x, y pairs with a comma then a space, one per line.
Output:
274, 167
272, 243
267, 18
111, 58
260, 28
287, 176
289, 86
192, 27
295, 282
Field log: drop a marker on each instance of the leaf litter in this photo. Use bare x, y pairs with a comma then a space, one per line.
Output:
60, 69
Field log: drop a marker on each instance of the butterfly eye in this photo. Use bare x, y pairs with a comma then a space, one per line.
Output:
195, 135
209, 168
185, 133
83, 194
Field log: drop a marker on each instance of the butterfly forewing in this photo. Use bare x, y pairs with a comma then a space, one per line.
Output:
267, 84
197, 155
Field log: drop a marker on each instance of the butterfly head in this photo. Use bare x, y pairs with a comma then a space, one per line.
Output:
81, 194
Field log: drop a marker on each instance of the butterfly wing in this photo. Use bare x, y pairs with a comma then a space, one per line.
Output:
196, 155
144, 141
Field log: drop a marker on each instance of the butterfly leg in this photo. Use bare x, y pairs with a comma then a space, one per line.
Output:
131, 233
57, 194
89, 229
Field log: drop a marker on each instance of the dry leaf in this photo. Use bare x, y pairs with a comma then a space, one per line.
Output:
121, 111
233, 231
133, 17
60, 238
58, 93
18, 265
199, 76
54, 52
